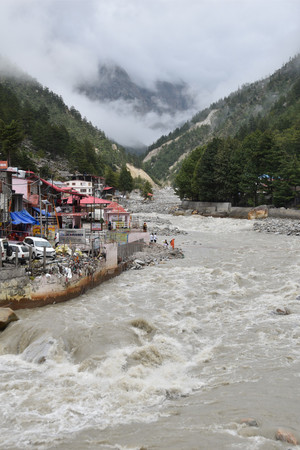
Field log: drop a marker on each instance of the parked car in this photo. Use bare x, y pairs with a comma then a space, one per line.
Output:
37, 245
3, 248
13, 248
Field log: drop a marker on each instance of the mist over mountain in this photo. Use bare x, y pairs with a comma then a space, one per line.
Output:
270, 104
114, 84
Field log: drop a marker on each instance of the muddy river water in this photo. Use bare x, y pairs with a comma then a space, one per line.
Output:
174, 356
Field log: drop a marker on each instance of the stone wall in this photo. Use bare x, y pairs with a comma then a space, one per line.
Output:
14, 283
284, 213
207, 207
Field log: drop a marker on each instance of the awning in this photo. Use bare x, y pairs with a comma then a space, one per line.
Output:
22, 217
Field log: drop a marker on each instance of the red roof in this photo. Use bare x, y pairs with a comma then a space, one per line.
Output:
65, 190
73, 196
94, 201
116, 208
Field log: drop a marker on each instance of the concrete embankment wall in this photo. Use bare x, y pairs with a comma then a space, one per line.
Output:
207, 207
19, 291
284, 213
22, 292
126, 250
225, 209
14, 283
276, 213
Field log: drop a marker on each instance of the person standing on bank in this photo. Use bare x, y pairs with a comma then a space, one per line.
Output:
154, 238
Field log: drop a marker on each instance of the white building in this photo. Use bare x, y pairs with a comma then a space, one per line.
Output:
81, 186
87, 184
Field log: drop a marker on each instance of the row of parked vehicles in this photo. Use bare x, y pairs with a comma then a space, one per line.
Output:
10, 249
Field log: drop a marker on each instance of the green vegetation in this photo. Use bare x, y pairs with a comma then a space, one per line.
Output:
267, 106
36, 122
126, 183
260, 164
146, 190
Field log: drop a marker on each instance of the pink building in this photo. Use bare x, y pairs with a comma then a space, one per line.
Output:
117, 216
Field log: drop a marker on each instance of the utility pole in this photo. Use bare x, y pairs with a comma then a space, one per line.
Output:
40, 201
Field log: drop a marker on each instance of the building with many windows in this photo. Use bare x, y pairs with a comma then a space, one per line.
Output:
87, 184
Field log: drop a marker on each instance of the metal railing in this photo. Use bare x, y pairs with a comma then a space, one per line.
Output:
126, 250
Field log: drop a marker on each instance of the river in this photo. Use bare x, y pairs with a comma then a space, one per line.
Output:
173, 356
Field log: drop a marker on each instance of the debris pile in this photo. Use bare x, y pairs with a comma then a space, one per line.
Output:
67, 264
152, 255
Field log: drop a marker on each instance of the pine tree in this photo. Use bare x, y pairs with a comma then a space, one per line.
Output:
125, 181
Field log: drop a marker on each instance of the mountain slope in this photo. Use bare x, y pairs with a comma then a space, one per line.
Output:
223, 118
50, 126
114, 84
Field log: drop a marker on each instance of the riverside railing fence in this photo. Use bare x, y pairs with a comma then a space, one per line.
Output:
126, 250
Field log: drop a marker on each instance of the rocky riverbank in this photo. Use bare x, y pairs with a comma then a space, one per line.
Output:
152, 255
280, 220
288, 227
162, 202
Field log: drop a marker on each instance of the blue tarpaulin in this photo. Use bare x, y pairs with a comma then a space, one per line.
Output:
43, 212
23, 217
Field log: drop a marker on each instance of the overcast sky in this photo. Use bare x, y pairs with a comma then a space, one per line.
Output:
213, 45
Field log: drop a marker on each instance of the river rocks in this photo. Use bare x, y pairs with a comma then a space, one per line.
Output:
143, 325
250, 422
285, 436
7, 315
162, 202
278, 226
282, 311
260, 212
152, 255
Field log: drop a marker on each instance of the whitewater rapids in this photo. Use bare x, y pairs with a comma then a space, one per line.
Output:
173, 356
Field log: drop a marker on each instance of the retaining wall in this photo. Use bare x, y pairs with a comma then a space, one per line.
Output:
126, 250
207, 207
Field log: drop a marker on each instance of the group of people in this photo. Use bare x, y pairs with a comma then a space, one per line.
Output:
172, 243
153, 238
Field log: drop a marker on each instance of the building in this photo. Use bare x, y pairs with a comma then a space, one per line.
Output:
117, 216
87, 184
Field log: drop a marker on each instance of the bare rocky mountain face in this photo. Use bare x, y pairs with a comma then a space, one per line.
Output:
115, 84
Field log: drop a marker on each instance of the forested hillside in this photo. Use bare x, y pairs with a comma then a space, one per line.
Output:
253, 106
258, 164
35, 124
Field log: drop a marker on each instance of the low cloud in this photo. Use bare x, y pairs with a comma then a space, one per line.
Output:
214, 46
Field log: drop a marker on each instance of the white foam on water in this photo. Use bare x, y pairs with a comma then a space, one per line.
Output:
123, 352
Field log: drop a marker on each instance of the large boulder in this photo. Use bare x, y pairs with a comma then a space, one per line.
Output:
285, 436
249, 421
7, 315
260, 212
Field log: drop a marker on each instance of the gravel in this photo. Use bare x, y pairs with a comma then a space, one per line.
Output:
278, 226
165, 201
162, 202
152, 255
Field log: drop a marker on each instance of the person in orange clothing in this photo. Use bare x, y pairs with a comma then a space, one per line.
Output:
172, 243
